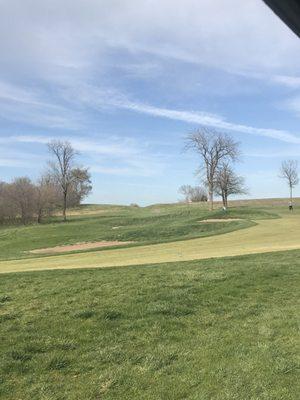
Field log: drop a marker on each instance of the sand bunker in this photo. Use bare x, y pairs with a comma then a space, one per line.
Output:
77, 246
220, 220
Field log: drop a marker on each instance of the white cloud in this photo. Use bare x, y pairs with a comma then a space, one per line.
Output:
292, 104
289, 81
98, 99
32, 106
10, 92
126, 147
70, 36
54, 48
74, 41
104, 99
215, 121
143, 171
14, 163
285, 153
109, 155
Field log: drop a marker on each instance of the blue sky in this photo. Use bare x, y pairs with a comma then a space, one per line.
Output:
125, 80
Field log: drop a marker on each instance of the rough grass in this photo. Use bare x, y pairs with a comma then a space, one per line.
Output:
156, 224
275, 234
222, 329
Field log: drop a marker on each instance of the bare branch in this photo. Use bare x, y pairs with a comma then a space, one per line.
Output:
62, 166
213, 148
227, 182
289, 172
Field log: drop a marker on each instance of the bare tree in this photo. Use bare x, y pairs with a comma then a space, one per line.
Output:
213, 148
193, 194
62, 168
22, 196
5, 204
63, 184
289, 172
9, 204
47, 197
81, 186
227, 182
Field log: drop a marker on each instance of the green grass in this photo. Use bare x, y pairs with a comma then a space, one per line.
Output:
222, 329
155, 224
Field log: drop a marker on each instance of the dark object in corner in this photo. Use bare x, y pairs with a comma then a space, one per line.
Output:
288, 11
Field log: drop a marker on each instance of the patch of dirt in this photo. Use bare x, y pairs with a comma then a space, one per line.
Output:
78, 246
220, 220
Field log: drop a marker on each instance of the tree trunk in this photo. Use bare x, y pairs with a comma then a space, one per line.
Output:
65, 207
223, 199
291, 195
23, 215
211, 199
39, 218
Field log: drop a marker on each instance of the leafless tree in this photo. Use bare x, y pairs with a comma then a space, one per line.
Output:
22, 196
61, 169
193, 194
81, 186
9, 209
47, 197
213, 148
289, 172
227, 182
4, 203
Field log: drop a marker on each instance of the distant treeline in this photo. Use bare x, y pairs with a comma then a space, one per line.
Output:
63, 185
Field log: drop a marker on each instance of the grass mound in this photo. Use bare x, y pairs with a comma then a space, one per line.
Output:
149, 225
217, 329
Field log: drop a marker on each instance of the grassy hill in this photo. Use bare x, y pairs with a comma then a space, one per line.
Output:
155, 224
214, 329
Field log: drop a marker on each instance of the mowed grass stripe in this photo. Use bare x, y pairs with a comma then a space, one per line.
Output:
267, 236
221, 329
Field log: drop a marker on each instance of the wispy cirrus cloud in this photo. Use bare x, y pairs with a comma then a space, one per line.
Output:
99, 99
144, 168
292, 82
14, 162
202, 118
120, 147
108, 98
72, 37
292, 104
119, 156
285, 153
20, 103
83, 69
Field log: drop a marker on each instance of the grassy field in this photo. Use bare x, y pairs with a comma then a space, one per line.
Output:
220, 329
172, 324
264, 232
156, 224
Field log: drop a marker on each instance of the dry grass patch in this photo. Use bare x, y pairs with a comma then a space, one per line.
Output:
220, 220
78, 246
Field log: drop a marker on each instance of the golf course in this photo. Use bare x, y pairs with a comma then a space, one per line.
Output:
169, 301
266, 235
149, 200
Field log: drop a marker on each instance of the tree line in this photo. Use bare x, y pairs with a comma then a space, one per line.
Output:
218, 152
63, 185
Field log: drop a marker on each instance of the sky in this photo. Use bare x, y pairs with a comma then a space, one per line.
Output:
126, 80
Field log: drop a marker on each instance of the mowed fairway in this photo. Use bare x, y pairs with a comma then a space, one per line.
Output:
172, 325
266, 236
222, 329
